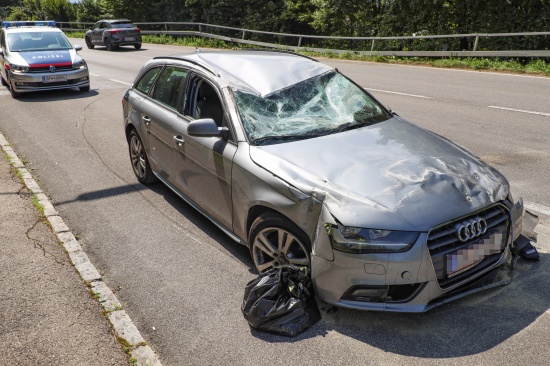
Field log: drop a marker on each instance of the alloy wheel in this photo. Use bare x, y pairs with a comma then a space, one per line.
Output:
137, 155
275, 246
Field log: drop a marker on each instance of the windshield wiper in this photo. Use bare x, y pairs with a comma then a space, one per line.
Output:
264, 139
350, 126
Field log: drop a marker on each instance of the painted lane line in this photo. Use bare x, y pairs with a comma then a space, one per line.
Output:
120, 82
519, 110
94, 75
536, 207
398, 93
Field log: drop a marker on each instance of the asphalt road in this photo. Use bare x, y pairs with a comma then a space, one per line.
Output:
182, 280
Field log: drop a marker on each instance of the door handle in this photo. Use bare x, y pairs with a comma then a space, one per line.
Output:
146, 120
179, 140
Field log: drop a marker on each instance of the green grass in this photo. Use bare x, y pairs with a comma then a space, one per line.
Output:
536, 66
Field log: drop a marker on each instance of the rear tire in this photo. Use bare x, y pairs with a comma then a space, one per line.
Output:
140, 162
137, 46
89, 43
274, 240
3, 81
109, 44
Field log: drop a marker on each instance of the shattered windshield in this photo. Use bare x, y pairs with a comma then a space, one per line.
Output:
322, 105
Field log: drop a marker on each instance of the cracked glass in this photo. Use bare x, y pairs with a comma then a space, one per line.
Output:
325, 104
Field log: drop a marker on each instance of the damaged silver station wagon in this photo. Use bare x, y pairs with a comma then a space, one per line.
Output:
296, 161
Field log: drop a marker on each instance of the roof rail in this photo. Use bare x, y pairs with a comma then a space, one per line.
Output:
24, 23
280, 51
212, 71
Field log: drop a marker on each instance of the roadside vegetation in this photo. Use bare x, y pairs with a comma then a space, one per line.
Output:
536, 66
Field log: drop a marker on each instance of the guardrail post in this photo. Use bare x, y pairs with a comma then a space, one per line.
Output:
243, 34
475, 43
372, 45
166, 27
200, 28
299, 41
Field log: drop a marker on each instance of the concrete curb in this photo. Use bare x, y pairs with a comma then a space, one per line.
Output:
125, 330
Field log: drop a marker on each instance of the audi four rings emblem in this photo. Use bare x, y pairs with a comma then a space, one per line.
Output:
473, 228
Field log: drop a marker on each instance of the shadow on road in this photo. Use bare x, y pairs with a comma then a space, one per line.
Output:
468, 326
465, 327
54, 95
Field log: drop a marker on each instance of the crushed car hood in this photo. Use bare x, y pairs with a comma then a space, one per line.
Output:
393, 175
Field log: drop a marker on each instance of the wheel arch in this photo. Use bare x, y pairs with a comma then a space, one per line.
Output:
258, 210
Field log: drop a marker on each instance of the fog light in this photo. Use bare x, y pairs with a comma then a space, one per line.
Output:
367, 293
393, 293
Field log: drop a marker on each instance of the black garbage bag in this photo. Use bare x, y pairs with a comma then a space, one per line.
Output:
280, 301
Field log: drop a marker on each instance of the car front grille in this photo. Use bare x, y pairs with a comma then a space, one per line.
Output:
446, 247
47, 69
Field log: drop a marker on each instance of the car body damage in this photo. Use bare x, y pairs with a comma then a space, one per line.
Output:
299, 163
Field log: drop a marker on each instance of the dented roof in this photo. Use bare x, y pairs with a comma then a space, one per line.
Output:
259, 72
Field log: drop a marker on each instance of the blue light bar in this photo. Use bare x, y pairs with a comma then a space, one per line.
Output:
34, 23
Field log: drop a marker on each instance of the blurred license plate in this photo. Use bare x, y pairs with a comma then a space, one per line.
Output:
130, 38
463, 259
54, 78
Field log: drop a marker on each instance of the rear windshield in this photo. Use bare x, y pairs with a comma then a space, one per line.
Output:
325, 104
37, 41
122, 25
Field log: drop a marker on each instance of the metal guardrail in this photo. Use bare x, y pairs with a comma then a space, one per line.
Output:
243, 36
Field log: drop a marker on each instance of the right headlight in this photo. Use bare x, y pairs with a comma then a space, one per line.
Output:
359, 240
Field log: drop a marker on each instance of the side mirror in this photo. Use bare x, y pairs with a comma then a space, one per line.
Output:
78, 48
206, 127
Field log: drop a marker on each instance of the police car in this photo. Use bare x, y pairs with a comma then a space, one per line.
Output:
37, 56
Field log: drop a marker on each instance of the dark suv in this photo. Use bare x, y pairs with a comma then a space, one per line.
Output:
113, 33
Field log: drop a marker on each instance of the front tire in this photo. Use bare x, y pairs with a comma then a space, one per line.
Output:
137, 46
140, 162
89, 43
84, 88
13, 93
274, 241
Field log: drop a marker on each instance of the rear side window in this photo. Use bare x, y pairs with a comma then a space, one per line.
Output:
169, 86
146, 82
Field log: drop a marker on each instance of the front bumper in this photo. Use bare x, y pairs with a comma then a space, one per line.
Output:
404, 282
30, 81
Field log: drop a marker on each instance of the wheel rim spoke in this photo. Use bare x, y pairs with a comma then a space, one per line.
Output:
263, 243
264, 266
285, 240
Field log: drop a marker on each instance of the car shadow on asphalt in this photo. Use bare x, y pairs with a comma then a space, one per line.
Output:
471, 325
54, 95
121, 49
239, 252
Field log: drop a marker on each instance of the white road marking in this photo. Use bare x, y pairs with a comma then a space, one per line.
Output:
398, 93
440, 68
121, 82
520, 110
94, 75
536, 207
